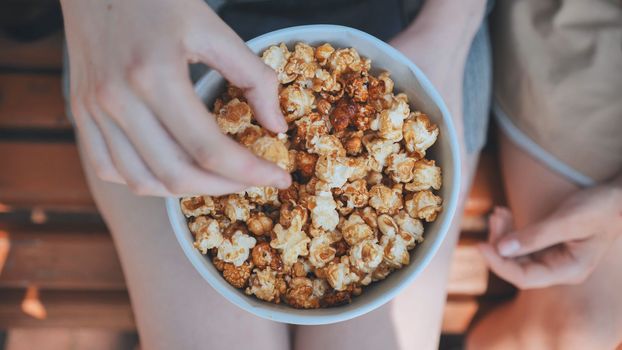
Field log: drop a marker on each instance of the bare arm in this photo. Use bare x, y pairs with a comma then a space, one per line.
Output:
438, 41
138, 118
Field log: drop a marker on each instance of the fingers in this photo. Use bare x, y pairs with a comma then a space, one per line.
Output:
94, 145
500, 223
166, 160
197, 132
126, 160
552, 267
535, 237
228, 54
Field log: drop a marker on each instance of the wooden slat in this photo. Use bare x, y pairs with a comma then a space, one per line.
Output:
32, 101
86, 259
45, 53
55, 258
68, 338
458, 314
486, 191
43, 175
110, 309
468, 274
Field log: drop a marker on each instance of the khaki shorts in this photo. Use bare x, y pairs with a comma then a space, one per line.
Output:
558, 83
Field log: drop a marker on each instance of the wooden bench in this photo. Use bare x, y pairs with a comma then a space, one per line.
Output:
58, 265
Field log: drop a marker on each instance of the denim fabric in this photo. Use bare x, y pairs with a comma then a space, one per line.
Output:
477, 90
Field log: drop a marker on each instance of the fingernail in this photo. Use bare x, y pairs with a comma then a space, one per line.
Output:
284, 181
282, 125
507, 247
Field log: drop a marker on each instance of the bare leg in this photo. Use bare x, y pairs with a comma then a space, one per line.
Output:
586, 316
174, 307
412, 320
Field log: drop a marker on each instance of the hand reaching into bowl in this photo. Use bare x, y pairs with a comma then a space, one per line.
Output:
138, 118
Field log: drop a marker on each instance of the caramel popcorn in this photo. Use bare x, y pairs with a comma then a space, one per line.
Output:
353, 143
327, 145
196, 206
426, 175
273, 150
263, 255
305, 163
237, 208
362, 188
359, 168
385, 199
249, 135
301, 294
339, 275
323, 53
320, 250
391, 121
355, 229
323, 211
207, 233
400, 167
234, 117
410, 228
266, 285
347, 60
381, 272
419, 134
424, 205
302, 62
333, 170
259, 224
366, 255
263, 195
237, 276
356, 193
276, 57
292, 241
296, 101
236, 249
379, 150
395, 250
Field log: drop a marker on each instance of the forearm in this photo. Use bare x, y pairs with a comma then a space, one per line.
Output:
447, 26
438, 41
452, 22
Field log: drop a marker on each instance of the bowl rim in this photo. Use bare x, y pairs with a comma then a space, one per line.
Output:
270, 311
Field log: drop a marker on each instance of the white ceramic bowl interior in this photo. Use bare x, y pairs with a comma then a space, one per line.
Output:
422, 95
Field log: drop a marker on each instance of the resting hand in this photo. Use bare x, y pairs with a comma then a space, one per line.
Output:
564, 248
138, 118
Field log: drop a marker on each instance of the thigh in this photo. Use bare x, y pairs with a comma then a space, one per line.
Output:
174, 307
533, 191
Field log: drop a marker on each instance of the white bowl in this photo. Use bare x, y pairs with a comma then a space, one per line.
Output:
422, 95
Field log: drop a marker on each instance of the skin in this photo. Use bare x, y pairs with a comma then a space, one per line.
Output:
568, 249
117, 68
136, 112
